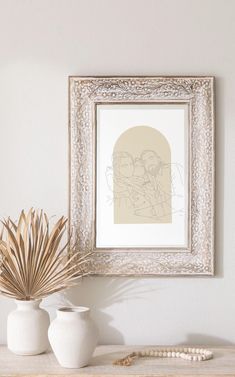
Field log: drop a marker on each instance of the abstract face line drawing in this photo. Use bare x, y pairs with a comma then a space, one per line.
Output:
141, 181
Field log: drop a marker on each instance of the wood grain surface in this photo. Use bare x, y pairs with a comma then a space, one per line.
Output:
223, 364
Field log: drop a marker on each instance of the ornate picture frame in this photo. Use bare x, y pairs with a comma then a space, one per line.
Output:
156, 224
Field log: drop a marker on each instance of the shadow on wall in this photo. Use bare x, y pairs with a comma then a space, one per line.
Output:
220, 169
102, 294
206, 340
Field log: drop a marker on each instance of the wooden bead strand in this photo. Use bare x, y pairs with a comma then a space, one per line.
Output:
190, 354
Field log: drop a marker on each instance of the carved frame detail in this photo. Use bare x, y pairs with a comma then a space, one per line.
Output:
84, 94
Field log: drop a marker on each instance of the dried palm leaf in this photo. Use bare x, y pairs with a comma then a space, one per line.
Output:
32, 263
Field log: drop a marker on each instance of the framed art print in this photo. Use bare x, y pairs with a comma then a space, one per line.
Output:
142, 174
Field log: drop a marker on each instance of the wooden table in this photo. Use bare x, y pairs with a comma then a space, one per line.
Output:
43, 365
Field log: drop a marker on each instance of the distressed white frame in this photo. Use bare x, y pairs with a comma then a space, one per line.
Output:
198, 92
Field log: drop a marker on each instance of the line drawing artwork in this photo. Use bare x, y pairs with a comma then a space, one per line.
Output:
142, 179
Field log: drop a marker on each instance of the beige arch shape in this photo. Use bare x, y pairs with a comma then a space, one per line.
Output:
142, 196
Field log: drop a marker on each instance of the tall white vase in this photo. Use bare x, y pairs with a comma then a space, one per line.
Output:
73, 336
27, 328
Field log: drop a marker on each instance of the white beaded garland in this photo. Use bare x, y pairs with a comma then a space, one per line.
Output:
191, 354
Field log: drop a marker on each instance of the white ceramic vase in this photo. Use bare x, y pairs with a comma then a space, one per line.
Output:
73, 336
27, 328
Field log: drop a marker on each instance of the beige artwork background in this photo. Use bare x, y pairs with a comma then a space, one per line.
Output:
142, 195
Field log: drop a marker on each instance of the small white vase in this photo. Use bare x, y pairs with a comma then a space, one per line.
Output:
27, 328
73, 336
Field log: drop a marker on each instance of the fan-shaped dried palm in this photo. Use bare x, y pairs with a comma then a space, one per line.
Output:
32, 263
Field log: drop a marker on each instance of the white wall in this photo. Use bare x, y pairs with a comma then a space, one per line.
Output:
44, 41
